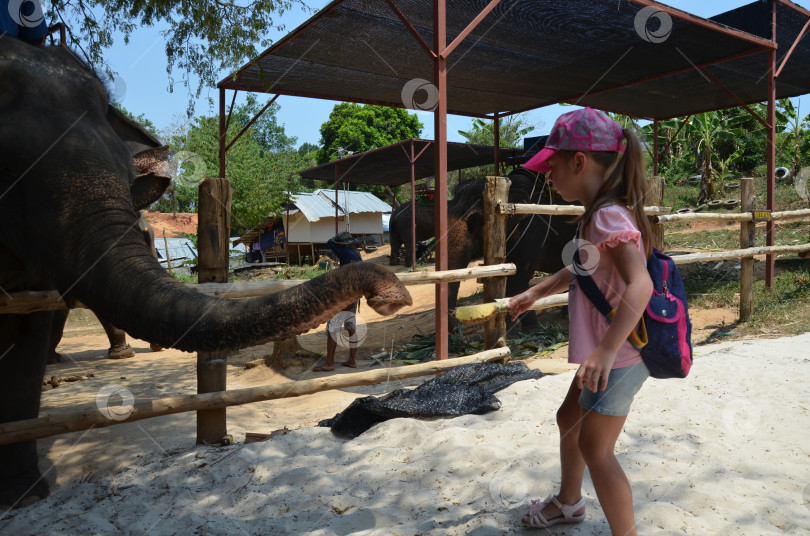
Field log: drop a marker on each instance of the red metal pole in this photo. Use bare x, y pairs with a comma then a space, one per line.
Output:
413, 208
655, 148
222, 133
440, 137
771, 152
496, 142
336, 199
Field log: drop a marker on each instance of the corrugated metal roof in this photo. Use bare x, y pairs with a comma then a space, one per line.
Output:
179, 249
313, 206
358, 201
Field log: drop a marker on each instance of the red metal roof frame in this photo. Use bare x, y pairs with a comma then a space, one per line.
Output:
293, 68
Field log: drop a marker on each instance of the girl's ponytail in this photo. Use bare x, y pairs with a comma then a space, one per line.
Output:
626, 183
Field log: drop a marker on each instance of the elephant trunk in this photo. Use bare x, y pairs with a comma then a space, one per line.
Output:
108, 266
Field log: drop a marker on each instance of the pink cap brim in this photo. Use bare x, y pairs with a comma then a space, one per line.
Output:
538, 161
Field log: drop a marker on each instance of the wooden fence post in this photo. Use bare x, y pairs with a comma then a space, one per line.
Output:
655, 197
212, 242
497, 191
747, 238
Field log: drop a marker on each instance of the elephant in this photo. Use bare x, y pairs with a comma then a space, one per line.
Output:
74, 171
119, 348
400, 229
533, 241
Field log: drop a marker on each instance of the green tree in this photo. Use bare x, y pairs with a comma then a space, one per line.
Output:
203, 37
265, 130
791, 147
353, 128
708, 129
260, 178
511, 131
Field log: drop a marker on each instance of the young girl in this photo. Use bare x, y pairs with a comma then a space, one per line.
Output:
591, 159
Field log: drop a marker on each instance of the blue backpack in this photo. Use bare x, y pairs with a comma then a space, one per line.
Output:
665, 341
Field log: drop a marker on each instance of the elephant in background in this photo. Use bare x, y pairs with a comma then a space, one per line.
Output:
534, 242
399, 227
74, 172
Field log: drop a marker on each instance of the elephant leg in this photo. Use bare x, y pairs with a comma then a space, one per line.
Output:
119, 349
22, 368
393, 260
406, 253
57, 329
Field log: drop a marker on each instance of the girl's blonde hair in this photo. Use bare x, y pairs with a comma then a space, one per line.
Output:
626, 183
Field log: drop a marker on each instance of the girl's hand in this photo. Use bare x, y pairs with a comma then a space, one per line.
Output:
520, 304
595, 368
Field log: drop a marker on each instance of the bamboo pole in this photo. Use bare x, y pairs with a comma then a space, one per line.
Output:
85, 419
738, 253
34, 301
496, 191
168, 257
563, 210
782, 216
694, 216
214, 229
747, 238
557, 300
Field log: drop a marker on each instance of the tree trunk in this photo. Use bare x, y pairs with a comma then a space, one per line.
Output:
707, 180
285, 348
394, 201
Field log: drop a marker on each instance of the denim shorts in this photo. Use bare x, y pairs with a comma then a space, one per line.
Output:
623, 384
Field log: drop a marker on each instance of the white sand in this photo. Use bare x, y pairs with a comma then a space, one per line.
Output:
726, 451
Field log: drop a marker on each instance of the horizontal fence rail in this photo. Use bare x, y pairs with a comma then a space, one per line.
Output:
46, 426
782, 216
563, 210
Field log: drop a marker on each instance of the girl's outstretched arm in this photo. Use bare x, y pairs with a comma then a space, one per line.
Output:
632, 268
552, 284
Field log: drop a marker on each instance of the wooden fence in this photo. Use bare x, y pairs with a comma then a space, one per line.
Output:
660, 216
28, 302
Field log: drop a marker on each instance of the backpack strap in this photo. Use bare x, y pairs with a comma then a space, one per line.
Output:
597, 298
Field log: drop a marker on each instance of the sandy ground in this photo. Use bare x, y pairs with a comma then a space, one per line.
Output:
723, 452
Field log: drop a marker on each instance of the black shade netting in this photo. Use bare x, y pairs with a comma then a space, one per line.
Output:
467, 389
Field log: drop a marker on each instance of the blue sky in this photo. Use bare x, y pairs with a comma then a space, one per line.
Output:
141, 65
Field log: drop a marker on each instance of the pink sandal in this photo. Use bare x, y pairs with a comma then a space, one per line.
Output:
536, 520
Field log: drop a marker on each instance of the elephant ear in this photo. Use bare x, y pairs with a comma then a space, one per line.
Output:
135, 137
151, 176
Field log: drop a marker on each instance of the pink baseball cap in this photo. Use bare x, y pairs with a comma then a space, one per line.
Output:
581, 130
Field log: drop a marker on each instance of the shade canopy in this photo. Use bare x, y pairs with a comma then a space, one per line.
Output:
391, 165
627, 56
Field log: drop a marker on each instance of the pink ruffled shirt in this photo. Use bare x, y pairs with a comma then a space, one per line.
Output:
609, 226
